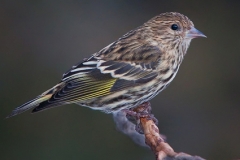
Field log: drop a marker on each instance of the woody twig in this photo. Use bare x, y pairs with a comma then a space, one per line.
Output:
161, 149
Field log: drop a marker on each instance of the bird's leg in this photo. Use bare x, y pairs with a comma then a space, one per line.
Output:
142, 111
145, 110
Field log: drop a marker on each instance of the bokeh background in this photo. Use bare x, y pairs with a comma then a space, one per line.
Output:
40, 40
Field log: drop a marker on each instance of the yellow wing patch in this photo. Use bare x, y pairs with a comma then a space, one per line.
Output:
101, 88
84, 88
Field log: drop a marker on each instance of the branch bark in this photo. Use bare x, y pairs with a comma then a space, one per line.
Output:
161, 149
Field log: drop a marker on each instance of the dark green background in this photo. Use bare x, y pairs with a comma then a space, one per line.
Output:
39, 40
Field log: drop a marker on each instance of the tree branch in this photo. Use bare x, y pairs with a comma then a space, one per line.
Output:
139, 124
161, 149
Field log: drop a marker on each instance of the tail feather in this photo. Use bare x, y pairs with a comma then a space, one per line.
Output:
46, 105
39, 101
31, 104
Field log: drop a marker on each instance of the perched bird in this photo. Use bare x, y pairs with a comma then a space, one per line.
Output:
126, 73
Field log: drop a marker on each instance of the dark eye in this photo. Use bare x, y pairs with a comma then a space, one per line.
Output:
174, 27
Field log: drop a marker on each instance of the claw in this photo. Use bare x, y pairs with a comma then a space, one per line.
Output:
143, 111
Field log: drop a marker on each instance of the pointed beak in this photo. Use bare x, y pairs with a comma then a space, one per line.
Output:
194, 33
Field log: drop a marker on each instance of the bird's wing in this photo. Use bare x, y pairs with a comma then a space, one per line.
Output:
100, 75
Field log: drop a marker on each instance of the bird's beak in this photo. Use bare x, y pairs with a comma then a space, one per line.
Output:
194, 33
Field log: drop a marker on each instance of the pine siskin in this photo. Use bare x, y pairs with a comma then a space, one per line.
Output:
128, 72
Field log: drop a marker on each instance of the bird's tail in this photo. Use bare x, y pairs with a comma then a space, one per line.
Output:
44, 97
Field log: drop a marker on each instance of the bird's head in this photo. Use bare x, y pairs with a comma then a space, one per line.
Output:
173, 30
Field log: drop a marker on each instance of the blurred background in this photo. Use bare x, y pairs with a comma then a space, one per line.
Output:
40, 40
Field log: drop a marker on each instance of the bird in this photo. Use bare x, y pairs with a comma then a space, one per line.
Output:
128, 72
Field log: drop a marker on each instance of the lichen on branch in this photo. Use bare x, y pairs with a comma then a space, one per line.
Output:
151, 135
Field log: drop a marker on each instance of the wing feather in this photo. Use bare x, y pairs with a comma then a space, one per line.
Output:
119, 66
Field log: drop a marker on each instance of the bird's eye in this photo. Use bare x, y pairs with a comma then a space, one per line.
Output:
174, 27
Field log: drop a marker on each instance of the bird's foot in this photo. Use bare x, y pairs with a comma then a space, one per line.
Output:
142, 111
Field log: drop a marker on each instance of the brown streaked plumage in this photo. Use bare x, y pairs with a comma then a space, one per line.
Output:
128, 72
